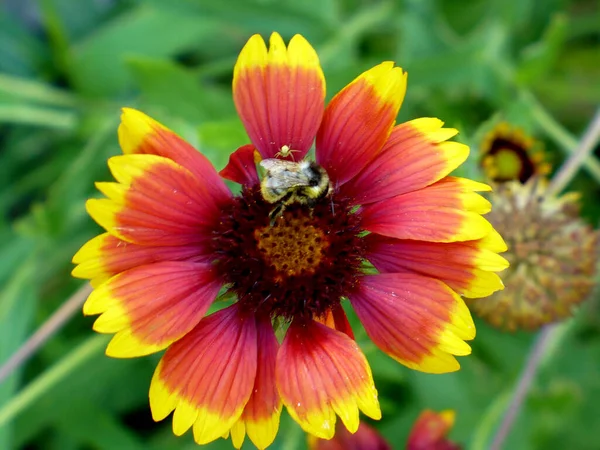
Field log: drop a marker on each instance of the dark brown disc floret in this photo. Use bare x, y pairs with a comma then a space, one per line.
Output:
298, 265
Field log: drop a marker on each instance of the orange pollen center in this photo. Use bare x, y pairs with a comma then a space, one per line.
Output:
292, 246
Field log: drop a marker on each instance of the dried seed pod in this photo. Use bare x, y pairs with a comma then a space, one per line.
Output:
552, 254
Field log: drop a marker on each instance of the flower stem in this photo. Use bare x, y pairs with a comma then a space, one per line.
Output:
51, 377
499, 407
542, 343
45, 332
490, 418
570, 167
550, 334
561, 136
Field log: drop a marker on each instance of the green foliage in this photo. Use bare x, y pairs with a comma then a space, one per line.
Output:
67, 66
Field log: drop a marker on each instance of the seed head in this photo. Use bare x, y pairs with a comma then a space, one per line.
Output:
552, 253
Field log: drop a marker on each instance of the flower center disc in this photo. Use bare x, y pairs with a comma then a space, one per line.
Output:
292, 246
511, 161
298, 266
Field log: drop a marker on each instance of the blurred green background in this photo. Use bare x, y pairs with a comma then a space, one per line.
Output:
67, 66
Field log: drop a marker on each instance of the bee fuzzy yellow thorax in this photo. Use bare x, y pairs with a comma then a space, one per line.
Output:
287, 182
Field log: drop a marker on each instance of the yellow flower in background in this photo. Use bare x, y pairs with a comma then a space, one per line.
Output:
176, 236
553, 256
508, 154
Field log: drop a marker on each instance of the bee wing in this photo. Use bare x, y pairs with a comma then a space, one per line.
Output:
274, 165
285, 180
283, 175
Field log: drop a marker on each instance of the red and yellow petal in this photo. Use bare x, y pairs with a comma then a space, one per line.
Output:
365, 438
149, 307
415, 156
417, 320
207, 377
104, 256
467, 267
140, 134
358, 121
241, 167
279, 94
321, 372
336, 318
260, 419
156, 202
447, 211
430, 430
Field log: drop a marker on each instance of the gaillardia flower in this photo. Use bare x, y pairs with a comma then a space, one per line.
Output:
508, 154
553, 256
430, 430
176, 236
365, 438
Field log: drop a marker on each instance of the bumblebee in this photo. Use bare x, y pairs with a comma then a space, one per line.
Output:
288, 182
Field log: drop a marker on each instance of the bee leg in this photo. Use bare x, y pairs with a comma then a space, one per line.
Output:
276, 212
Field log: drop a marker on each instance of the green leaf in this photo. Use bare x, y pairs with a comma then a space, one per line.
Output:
22, 52
178, 92
312, 18
17, 88
37, 116
219, 139
46, 382
18, 299
91, 425
539, 58
72, 23
97, 64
